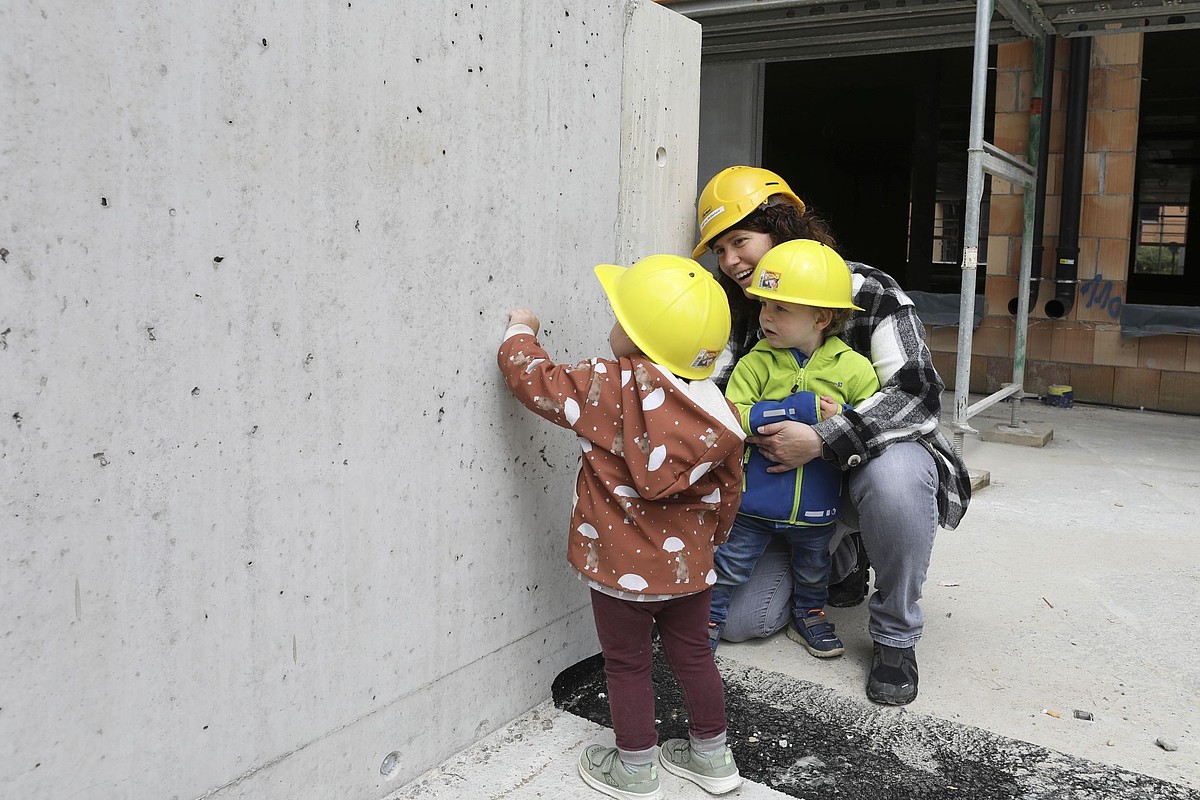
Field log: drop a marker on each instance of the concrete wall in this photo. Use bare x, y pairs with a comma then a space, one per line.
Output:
731, 110
269, 521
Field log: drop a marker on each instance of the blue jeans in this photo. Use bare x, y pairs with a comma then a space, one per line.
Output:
893, 502
808, 562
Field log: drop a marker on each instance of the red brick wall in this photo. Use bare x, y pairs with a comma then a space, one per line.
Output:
1084, 348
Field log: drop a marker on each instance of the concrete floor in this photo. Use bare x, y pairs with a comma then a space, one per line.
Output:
1071, 584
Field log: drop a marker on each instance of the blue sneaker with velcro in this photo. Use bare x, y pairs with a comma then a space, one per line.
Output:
816, 633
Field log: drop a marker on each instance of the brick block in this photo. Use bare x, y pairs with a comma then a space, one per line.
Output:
1097, 89
1124, 86
1061, 58
1134, 387
1073, 345
998, 291
994, 337
1117, 175
1091, 172
1050, 216
1039, 340
1008, 91
998, 253
1192, 363
1058, 122
1163, 352
1089, 249
942, 339
1111, 349
1100, 301
1040, 374
1112, 130
1092, 384
1113, 260
1014, 55
1060, 84
1011, 132
1103, 215
1118, 48
997, 372
979, 374
1053, 176
1180, 392
1007, 216
1025, 92
1025, 435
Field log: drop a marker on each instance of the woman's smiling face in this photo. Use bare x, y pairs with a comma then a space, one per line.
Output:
738, 252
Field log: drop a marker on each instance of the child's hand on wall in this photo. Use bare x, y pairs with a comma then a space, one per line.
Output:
523, 316
829, 407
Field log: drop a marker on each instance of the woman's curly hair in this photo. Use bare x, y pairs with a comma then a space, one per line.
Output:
783, 222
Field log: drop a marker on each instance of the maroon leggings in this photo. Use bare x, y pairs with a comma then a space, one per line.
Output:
624, 631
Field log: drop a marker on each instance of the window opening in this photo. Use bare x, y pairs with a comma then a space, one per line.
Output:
1161, 239
1167, 177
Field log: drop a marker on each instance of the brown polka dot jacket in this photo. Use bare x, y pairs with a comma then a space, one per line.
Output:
660, 475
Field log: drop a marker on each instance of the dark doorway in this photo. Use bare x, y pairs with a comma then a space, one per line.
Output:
878, 146
1163, 270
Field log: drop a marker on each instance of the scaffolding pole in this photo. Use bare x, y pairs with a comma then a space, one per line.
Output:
984, 157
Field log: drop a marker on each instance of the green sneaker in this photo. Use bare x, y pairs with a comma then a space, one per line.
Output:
716, 773
602, 769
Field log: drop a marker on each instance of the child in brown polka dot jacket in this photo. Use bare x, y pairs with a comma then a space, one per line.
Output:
659, 483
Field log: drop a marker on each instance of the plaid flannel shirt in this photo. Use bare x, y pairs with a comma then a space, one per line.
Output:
908, 406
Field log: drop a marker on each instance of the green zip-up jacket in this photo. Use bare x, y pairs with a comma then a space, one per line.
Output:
769, 384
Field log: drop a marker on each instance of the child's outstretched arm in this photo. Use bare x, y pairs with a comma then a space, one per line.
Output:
555, 392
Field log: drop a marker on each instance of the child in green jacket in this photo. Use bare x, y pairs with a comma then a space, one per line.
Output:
800, 371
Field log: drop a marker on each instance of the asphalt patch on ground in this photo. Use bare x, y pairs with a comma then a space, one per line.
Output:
804, 741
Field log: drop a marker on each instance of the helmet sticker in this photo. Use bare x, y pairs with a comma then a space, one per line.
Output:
768, 280
709, 216
704, 359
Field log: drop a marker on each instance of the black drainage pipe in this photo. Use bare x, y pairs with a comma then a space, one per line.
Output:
1066, 273
1043, 156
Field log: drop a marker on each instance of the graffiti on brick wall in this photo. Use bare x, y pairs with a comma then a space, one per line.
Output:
1099, 292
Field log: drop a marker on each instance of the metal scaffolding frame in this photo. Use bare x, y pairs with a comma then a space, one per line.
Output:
984, 157
783, 30
789, 30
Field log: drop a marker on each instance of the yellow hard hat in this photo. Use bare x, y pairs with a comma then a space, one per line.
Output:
673, 310
806, 272
731, 195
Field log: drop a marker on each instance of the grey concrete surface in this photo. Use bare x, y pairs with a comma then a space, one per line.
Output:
267, 507
536, 756
1071, 585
